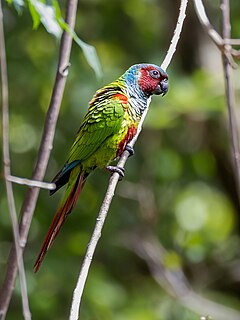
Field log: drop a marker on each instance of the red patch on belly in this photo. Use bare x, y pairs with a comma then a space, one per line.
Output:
122, 145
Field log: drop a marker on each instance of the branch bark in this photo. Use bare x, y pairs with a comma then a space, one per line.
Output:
7, 170
214, 35
224, 45
233, 125
31, 183
42, 159
78, 291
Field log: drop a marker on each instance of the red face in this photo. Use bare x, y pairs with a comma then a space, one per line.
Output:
153, 80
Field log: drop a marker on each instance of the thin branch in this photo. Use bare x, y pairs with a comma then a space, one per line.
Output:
7, 170
32, 183
233, 125
233, 42
213, 34
202, 16
77, 295
43, 157
223, 43
235, 53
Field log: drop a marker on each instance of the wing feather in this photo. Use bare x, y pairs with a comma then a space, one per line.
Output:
102, 121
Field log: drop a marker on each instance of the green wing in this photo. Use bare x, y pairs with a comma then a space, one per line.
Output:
104, 119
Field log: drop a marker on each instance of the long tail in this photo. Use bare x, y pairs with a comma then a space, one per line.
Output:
74, 187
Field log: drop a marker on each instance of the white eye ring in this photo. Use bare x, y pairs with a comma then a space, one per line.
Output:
155, 74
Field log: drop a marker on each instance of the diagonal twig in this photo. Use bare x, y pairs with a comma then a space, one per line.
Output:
214, 35
77, 295
43, 157
7, 170
202, 16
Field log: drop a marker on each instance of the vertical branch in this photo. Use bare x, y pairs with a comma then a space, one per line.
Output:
224, 45
7, 170
78, 291
43, 157
233, 126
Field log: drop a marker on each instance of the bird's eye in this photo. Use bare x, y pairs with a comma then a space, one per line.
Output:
154, 74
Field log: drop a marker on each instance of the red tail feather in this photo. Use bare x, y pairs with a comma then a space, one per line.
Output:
59, 219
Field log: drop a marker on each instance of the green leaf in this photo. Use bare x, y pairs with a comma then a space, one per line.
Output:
34, 14
18, 4
90, 55
88, 50
51, 18
57, 10
47, 16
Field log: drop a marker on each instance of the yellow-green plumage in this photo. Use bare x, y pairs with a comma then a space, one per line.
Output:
110, 123
100, 128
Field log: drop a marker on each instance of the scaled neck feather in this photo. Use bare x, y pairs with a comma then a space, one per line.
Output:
138, 100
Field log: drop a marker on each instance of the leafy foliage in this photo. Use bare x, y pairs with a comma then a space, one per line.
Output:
45, 14
51, 18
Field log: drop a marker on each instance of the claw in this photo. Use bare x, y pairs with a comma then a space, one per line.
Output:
130, 150
117, 169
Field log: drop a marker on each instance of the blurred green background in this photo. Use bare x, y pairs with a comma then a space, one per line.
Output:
179, 187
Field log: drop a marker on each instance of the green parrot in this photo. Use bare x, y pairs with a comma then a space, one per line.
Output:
111, 122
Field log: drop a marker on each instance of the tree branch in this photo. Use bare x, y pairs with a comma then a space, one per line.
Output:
176, 35
7, 170
233, 125
77, 295
233, 42
214, 35
202, 16
224, 45
31, 183
42, 159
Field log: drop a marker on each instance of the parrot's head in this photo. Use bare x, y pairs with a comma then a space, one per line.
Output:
148, 78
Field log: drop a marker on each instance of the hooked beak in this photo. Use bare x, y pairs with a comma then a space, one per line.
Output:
162, 87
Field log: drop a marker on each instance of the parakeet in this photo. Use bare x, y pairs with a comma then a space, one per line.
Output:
111, 122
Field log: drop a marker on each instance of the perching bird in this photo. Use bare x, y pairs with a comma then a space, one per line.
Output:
110, 124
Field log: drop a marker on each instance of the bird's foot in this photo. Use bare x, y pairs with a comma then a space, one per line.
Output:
119, 170
130, 150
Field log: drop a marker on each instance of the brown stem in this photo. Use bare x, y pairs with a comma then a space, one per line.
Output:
233, 126
42, 159
214, 35
7, 169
